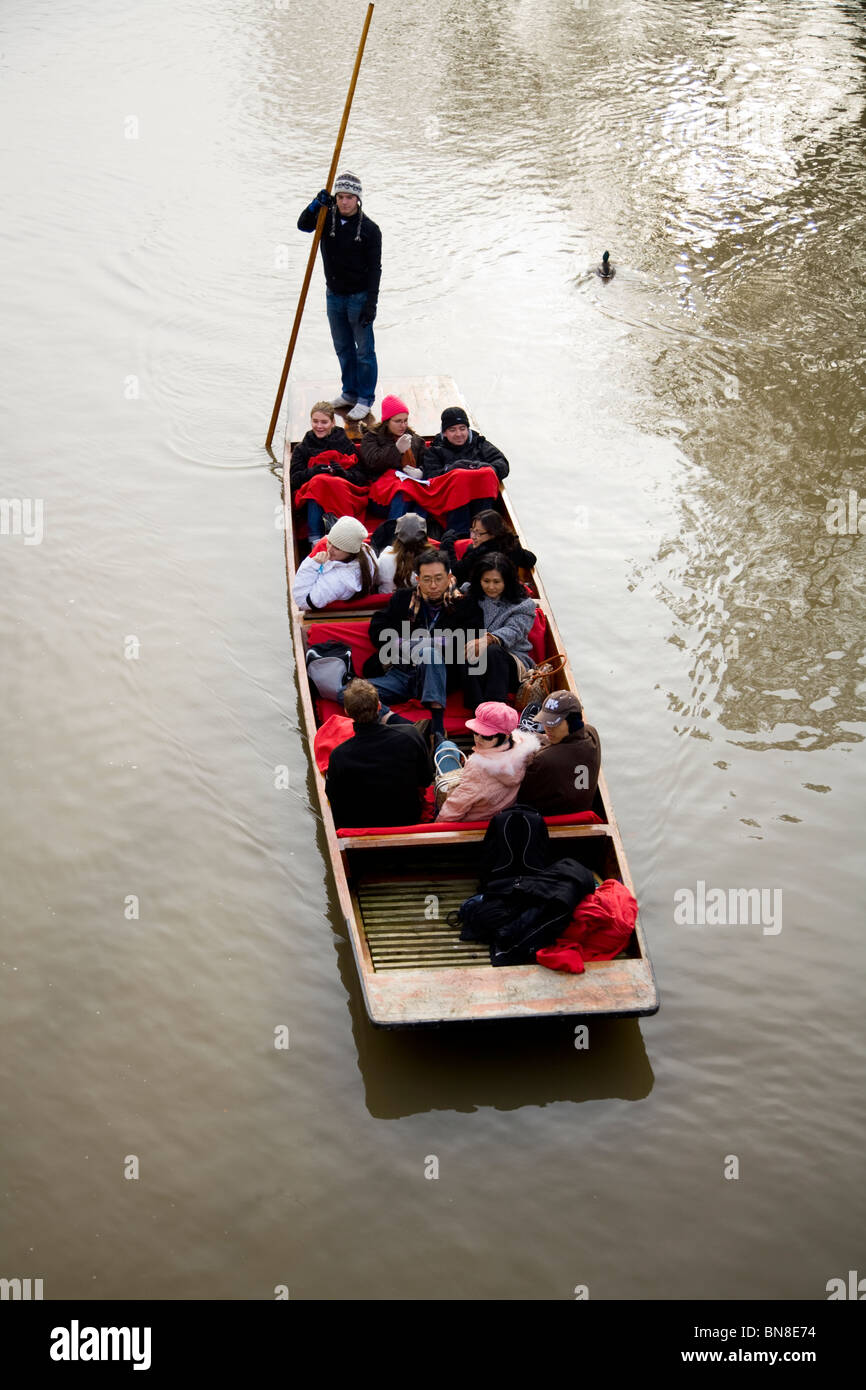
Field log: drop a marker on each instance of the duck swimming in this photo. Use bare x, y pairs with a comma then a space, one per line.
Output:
606, 270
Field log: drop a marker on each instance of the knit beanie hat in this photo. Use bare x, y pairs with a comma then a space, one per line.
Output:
347, 533
454, 415
392, 405
348, 183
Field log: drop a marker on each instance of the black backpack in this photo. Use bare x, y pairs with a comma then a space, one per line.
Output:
516, 916
516, 842
329, 666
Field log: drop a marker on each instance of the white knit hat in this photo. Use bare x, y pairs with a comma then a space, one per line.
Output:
348, 183
347, 533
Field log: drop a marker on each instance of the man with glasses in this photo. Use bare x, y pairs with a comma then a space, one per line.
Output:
351, 247
421, 639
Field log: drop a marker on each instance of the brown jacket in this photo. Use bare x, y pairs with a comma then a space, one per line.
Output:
549, 783
379, 452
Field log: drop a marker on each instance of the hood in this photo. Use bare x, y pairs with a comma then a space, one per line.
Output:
509, 764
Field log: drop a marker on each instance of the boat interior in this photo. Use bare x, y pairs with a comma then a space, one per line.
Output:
399, 886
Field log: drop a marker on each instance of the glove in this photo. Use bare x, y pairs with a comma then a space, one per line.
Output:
413, 472
323, 199
404, 442
368, 313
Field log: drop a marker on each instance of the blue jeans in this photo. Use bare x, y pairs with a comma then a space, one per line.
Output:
448, 756
400, 505
354, 346
427, 683
315, 519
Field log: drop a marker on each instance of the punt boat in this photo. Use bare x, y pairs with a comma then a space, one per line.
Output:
396, 888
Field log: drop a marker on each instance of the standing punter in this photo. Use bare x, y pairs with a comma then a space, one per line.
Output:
352, 258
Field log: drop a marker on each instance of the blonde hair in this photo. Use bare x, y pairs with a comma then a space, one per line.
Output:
323, 408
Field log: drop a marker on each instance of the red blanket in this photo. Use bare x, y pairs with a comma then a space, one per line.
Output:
440, 495
335, 495
599, 929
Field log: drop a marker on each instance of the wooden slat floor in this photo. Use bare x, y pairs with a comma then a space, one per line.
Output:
401, 937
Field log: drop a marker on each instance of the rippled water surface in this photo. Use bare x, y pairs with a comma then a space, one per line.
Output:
682, 440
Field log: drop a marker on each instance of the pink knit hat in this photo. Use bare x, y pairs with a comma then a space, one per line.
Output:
492, 717
392, 405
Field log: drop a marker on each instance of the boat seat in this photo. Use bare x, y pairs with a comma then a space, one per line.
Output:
586, 818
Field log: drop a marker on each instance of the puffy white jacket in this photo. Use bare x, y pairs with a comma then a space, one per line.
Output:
320, 581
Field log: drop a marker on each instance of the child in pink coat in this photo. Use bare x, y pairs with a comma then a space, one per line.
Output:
493, 773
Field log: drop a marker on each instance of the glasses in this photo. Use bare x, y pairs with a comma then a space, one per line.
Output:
478, 531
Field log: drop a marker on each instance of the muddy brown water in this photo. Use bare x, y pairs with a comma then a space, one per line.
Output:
688, 460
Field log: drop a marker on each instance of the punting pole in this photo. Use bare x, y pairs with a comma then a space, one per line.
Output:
317, 235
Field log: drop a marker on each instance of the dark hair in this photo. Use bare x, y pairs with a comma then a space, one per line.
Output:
501, 740
429, 557
506, 541
406, 553
574, 721
513, 591
361, 701
369, 571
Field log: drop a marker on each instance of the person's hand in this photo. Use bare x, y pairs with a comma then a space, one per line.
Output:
368, 313
474, 648
413, 471
404, 442
324, 198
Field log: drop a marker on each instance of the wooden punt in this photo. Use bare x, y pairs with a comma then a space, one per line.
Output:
396, 890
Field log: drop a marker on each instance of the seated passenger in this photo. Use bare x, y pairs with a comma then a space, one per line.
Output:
493, 773
508, 613
397, 560
458, 446
393, 444
562, 778
324, 437
378, 776
421, 639
345, 569
488, 535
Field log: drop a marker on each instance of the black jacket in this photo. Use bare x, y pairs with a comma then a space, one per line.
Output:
462, 569
377, 777
310, 446
386, 627
477, 451
351, 266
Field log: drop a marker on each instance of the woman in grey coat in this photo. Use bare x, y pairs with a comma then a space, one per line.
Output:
503, 649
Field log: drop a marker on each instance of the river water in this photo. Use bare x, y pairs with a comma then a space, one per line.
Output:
682, 439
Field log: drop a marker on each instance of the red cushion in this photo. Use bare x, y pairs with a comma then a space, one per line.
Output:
455, 715
576, 818
354, 635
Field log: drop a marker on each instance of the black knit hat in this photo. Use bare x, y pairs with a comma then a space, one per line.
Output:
454, 415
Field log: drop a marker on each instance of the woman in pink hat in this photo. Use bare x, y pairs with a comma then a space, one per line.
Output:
493, 773
394, 444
